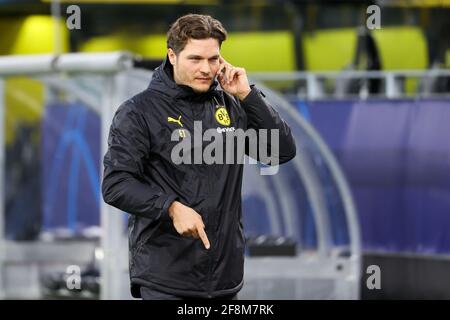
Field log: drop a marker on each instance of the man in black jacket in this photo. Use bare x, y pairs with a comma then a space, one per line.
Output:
185, 223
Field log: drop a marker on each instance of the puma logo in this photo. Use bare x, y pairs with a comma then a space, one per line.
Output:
170, 119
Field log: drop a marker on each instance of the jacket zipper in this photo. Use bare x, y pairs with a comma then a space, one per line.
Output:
210, 272
210, 251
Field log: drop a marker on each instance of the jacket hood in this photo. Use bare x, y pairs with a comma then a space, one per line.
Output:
163, 82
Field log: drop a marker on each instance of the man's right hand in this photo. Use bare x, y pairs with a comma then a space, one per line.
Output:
188, 222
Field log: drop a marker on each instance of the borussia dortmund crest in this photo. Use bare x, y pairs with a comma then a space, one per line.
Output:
222, 116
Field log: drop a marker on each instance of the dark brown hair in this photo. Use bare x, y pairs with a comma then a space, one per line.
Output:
195, 26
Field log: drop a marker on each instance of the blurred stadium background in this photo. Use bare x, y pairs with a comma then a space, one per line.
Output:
369, 109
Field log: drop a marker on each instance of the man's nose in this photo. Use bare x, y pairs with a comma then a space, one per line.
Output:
205, 68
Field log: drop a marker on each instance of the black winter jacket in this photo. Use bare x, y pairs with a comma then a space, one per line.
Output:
141, 179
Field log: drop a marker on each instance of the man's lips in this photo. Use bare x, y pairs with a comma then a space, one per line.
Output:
204, 79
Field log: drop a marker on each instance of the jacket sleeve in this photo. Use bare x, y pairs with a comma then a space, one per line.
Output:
261, 115
123, 185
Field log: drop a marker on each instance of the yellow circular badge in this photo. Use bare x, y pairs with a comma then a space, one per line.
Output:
222, 116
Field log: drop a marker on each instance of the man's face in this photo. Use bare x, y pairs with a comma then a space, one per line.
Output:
197, 64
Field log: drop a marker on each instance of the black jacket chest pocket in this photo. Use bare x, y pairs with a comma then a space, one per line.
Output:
175, 156
197, 181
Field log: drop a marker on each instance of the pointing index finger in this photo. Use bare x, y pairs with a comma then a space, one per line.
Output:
203, 237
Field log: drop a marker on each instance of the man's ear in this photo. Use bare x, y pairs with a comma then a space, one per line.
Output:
172, 56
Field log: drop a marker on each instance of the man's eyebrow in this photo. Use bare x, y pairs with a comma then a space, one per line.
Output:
194, 56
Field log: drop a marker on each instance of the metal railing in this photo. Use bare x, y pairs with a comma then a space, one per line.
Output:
393, 84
